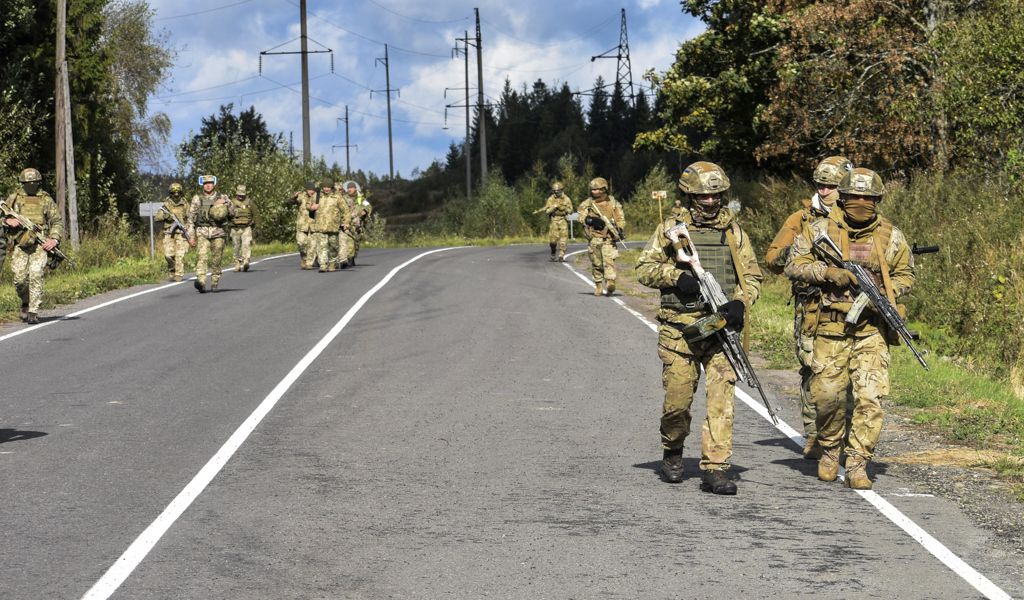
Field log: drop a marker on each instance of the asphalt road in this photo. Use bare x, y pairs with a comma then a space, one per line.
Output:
481, 427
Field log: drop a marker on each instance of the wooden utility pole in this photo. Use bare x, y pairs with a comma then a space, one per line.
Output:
306, 153
66, 190
387, 91
480, 99
347, 145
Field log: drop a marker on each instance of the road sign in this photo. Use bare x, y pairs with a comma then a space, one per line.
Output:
148, 209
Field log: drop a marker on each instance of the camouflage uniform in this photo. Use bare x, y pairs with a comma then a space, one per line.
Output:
304, 226
331, 215
558, 207
242, 222
28, 258
828, 173
355, 232
726, 252
175, 242
601, 247
845, 355
207, 228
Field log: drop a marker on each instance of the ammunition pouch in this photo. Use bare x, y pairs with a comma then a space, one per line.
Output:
674, 299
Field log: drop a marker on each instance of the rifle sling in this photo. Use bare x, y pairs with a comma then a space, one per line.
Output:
730, 238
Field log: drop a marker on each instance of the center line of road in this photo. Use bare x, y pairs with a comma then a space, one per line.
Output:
137, 551
121, 299
932, 545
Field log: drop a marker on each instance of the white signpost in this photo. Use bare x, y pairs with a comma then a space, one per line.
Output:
148, 209
572, 218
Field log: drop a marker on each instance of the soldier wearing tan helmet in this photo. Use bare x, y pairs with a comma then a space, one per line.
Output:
304, 224
331, 216
208, 215
557, 208
726, 252
603, 224
175, 238
29, 257
851, 354
242, 223
827, 176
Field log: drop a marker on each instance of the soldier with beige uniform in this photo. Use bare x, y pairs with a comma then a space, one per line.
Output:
242, 223
603, 224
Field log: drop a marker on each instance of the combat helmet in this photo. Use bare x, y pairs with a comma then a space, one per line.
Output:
557, 186
862, 182
241, 191
599, 183
349, 184
703, 177
831, 170
30, 175
219, 212
174, 189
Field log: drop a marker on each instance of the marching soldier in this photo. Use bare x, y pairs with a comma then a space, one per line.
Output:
827, 176
359, 211
241, 228
851, 354
558, 207
596, 213
726, 252
304, 224
331, 216
677, 208
29, 257
175, 238
207, 217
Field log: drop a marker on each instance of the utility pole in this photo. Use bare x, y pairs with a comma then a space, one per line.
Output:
480, 99
388, 90
66, 190
623, 67
466, 149
304, 53
346, 146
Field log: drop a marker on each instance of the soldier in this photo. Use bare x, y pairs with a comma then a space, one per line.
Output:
677, 208
558, 207
241, 228
725, 251
175, 238
208, 214
858, 354
827, 176
594, 211
331, 217
360, 211
304, 224
29, 258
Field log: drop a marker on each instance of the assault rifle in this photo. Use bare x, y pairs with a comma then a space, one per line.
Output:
715, 297
56, 256
177, 224
919, 250
612, 229
868, 292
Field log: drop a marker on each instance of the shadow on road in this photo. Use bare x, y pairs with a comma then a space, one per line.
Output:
691, 468
13, 435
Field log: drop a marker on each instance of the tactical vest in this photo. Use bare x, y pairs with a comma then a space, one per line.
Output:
31, 207
243, 213
862, 252
203, 219
560, 210
715, 254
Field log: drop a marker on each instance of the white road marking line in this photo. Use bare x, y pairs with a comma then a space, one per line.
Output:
142, 545
932, 545
911, 495
121, 299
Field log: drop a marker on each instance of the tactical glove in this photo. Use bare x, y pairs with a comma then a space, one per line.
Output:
688, 284
733, 312
594, 223
840, 277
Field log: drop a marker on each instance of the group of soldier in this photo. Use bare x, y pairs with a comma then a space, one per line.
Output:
841, 362
330, 224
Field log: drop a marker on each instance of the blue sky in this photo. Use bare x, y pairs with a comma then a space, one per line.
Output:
219, 41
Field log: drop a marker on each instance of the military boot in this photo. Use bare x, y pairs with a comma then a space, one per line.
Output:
24, 311
33, 319
343, 265
598, 289
717, 482
238, 266
553, 248
828, 464
177, 278
352, 261
215, 285
200, 286
610, 286
245, 266
672, 466
812, 449
857, 473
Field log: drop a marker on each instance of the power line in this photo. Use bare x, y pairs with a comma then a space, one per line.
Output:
202, 12
206, 89
353, 111
253, 93
555, 43
428, 21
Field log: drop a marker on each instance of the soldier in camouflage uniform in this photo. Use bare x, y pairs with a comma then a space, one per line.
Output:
304, 224
355, 232
208, 215
856, 354
175, 242
827, 176
602, 248
29, 258
331, 216
677, 208
558, 207
726, 252
242, 222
